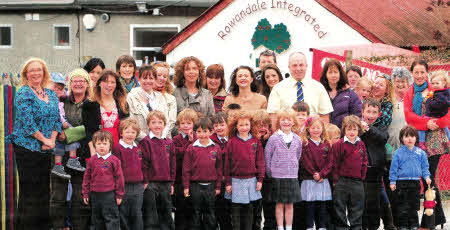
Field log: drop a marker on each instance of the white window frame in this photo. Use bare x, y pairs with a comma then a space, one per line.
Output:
155, 49
70, 36
12, 36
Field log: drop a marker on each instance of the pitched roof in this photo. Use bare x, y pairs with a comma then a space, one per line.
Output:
393, 22
401, 23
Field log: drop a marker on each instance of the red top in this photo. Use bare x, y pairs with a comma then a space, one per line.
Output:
222, 143
181, 143
103, 176
350, 160
131, 162
158, 163
316, 158
202, 164
420, 122
244, 159
110, 122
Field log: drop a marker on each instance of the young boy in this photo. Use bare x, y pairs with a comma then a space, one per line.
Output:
409, 164
302, 115
185, 122
202, 176
262, 131
130, 156
375, 138
232, 109
158, 169
350, 166
58, 85
333, 132
363, 88
103, 183
223, 206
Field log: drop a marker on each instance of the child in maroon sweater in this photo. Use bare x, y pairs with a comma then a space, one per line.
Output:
130, 156
350, 167
185, 122
223, 206
316, 165
158, 168
202, 176
244, 170
103, 183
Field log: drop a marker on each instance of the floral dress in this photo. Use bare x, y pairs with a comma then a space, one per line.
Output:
110, 122
436, 141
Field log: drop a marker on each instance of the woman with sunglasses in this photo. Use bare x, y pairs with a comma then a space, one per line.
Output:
383, 91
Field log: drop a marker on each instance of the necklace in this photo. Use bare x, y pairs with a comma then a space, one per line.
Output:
41, 93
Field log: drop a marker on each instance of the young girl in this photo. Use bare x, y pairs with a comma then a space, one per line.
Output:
282, 154
244, 170
316, 165
363, 87
302, 114
130, 156
409, 164
103, 183
437, 103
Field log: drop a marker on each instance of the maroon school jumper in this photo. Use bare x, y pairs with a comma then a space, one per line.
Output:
316, 158
181, 143
203, 165
158, 163
131, 160
244, 159
350, 160
103, 176
221, 142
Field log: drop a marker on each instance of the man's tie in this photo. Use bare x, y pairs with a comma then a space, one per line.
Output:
299, 91
149, 107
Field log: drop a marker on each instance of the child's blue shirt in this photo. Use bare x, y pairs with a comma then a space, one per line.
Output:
408, 164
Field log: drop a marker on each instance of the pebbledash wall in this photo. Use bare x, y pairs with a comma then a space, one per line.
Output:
107, 41
227, 38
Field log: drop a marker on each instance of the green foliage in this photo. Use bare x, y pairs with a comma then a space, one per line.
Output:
277, 38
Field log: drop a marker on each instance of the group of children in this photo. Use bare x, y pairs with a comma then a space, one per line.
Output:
217, 168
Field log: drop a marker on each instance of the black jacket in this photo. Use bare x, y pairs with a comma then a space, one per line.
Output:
375, 140
438, 105
92, 120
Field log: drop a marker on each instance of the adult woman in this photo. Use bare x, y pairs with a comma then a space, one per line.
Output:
36, 126
344, 100
353, 74
106, 107
215, 83
126, 68
383, 91
243, 90
189, 77
414, 107
271, 75
402, 80
94, 67
141, 100
163, 85
79, 91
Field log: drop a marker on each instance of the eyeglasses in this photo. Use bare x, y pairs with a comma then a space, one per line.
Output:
35, 71
78, 81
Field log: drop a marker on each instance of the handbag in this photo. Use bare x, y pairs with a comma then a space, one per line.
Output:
75, 134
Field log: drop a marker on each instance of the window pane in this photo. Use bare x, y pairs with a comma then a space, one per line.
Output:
152, 37
151, 55
5, 36
62, 36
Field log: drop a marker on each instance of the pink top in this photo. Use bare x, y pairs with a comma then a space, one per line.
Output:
110, 122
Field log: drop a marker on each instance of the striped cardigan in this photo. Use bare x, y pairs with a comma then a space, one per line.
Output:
281, 161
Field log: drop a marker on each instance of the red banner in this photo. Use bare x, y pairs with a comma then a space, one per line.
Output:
369, 70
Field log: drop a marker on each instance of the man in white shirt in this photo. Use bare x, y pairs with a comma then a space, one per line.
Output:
300, 88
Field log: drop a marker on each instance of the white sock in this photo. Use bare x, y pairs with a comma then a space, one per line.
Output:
280, 228
288, 227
